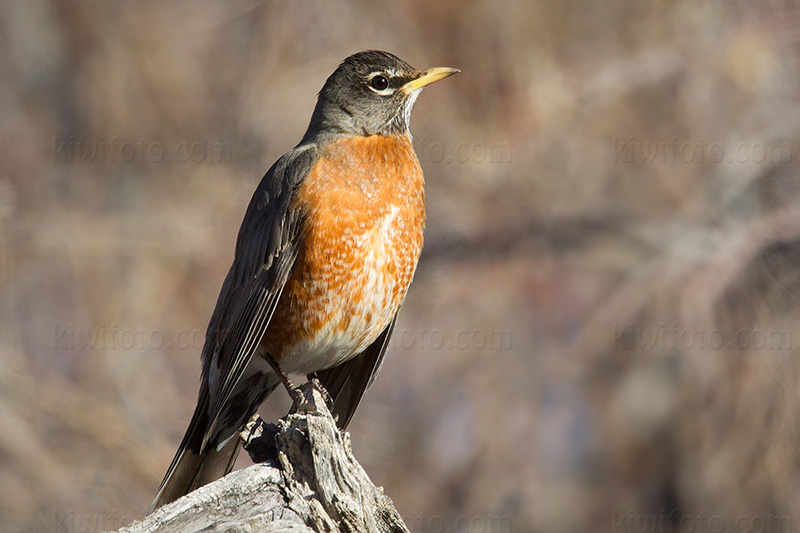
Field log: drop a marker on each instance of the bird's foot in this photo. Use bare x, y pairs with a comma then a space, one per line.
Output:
317, 384
295, 393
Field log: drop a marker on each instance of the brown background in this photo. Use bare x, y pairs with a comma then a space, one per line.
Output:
596, 166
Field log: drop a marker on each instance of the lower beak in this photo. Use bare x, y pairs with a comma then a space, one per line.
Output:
426, 78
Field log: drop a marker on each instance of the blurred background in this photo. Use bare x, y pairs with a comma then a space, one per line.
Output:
602, 334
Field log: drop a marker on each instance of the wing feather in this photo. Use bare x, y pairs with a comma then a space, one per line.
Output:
266, 249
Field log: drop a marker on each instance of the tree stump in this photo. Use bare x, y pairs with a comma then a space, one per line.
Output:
306, 480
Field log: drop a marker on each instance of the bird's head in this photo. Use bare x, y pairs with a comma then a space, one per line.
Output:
370, 93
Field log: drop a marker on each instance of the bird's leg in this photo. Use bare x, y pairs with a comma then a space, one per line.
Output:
294, 393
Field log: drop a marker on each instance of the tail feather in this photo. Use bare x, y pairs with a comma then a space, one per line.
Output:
203, 457
196, 463
191, 470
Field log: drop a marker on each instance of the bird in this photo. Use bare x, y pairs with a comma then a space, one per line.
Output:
324, 258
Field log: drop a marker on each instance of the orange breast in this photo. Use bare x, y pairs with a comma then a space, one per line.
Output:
365, 206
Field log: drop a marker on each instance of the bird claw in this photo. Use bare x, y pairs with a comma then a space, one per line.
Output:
296, 394
313, 384
317, 384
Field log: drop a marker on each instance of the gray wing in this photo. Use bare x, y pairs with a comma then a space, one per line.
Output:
266, 249
347, 382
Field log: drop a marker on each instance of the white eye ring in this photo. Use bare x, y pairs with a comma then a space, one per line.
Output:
376, 82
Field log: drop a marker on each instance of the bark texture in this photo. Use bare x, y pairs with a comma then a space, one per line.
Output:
307, 480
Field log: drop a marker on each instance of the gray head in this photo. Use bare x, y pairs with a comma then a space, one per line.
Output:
370, 93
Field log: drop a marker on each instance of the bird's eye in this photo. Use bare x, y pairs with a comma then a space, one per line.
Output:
379, 82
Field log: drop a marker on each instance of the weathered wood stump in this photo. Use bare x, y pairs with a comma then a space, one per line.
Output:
306, 479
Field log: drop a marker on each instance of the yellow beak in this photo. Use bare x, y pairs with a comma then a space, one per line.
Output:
426, 78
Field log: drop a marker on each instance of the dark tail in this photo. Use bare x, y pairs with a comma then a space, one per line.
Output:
192, 466
207, 453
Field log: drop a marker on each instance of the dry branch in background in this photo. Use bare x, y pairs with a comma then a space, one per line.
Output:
307, 480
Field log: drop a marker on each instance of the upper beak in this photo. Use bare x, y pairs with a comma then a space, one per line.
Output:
427, 77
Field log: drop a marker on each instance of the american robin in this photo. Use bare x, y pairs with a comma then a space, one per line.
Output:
323, 260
